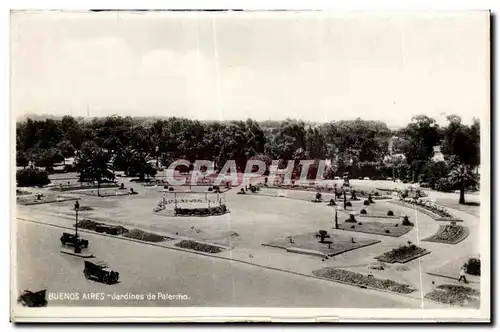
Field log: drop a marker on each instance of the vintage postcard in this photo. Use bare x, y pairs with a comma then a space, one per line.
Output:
186, 166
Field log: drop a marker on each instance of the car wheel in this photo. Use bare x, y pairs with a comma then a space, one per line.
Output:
87, 274
105, 279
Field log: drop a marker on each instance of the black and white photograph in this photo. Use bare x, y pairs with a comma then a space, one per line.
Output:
250, 164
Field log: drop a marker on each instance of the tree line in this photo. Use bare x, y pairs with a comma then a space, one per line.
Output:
363, 148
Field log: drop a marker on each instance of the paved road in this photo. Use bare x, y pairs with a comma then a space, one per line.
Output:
204, 280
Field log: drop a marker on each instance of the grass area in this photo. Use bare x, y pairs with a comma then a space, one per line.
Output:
436, 213
376, 227
105, 192
333, 245
20, 192
472, 208
449, 234
81, 186
451, 270
363, 280
453, 294
403, 254
45, 199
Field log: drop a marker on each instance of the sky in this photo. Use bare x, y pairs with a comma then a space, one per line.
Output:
225, 66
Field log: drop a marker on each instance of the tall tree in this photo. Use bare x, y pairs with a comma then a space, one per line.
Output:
92, 162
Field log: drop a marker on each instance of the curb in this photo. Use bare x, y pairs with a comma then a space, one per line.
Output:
88, 255
448, 277
229, 259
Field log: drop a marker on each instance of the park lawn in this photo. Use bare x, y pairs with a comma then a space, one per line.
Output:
472, 207
47, 198
338, 243
451, 270
376, 227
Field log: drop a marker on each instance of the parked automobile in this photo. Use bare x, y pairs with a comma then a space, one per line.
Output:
337, 178
389, 179
33, 299
73, 240
100, 271
366, 178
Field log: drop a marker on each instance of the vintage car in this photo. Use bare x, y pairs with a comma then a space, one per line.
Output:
73, 240
33, 299
99, 270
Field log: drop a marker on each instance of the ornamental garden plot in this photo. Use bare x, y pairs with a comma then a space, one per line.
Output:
391, 227
449, 234
321, 243
403, 254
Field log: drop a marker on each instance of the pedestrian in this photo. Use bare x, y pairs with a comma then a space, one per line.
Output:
462, 275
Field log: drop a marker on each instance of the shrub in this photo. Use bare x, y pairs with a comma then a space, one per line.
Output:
332, 202
363, 211
210, 189
473, 266
253, 189
360, 223
390, 213
322, 234
170, 189
406, 221
387, 231
318, 196
443, 184
348, 204
366, 202
353, 226
396, 225
351, 218
30, 177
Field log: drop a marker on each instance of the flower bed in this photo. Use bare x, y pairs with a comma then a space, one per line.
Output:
452, 294
363, 280
102, 227
120, 230
202, 212
449, 234
434, 211
403, 254
193, 245
145, 236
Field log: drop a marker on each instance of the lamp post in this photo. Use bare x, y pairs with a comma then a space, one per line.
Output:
77, 244
77, 208
336, 219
